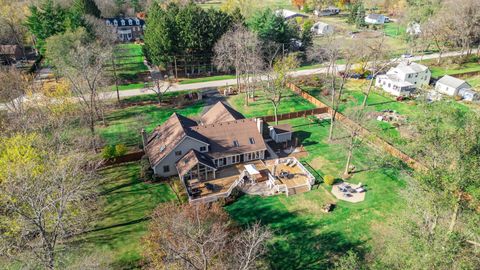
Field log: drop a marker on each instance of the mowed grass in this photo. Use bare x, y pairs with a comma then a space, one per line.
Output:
207, 79
126, 203
306, 237
291, 102
377, 101
129, 64
474, 81
124, 125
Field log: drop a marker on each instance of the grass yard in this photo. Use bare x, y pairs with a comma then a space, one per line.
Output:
377, 101
446, 67
273, 4
207, 79
474, 81
262, 107
126, 203
393, 29
129, 63
124, 125
307, 238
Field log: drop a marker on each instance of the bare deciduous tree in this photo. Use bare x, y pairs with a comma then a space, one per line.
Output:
274, 87
240, 49
161, 85
46, 196
83, 63
201, 237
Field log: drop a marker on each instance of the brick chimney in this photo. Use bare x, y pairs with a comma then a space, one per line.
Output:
260, 125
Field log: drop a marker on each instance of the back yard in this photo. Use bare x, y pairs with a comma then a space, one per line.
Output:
307, 238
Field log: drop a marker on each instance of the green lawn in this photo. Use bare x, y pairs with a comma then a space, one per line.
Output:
262, 107
307, 238
393, 29
474, 81
207, 79
126, 203
438, 72
377, 101
129, 63
124, 125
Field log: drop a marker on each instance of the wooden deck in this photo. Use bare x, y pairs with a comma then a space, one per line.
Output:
225, 178
300, 178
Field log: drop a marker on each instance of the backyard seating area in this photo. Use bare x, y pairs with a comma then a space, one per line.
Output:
349, 192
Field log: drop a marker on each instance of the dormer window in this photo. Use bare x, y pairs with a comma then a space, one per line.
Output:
251, 140
123, 22
137, 21
109, 23
115, 22
130, 22
235, 143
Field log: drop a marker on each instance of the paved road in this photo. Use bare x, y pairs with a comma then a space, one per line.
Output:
298, 73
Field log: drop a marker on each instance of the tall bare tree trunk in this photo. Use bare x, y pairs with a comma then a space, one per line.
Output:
364, 103
349, 156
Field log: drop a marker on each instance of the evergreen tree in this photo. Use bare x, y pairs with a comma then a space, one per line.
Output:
86, 7
271, 27
360, 19
49, 19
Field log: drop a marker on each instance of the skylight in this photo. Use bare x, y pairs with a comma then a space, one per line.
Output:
252, 141
235, 143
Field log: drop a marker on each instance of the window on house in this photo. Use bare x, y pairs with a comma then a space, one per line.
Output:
166, 168
130, 22
252, 141
178, 153
409, 75
235, 143
203, 148
416, 75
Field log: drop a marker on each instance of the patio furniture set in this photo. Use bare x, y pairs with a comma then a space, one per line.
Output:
284, 174
347, 190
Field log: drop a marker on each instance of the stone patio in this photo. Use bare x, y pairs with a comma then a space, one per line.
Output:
353, 198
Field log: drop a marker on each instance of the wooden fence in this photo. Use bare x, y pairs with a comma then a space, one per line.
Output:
373, 138
292, 115
130, 157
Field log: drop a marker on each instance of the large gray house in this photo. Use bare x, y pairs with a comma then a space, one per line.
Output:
221, 138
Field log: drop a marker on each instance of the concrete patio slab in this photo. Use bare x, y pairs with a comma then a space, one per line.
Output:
353, 197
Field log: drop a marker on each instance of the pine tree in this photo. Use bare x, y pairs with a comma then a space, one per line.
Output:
86, 7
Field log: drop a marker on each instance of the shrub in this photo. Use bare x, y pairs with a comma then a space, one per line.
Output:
120, 150
329, 180
146, 172
108, 152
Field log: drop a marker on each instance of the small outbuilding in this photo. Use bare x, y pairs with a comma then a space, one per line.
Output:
288, 14
451, 86
320, 28
375, 19
281, 133
469, 94
329, 11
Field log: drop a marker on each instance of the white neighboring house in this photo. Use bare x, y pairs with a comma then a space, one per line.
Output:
452, 86
375, 19
320, 28
288, 14
403, 79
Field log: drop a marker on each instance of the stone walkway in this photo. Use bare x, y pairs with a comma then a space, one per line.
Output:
353, 197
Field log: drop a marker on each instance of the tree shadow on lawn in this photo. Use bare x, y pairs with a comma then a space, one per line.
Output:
297, 242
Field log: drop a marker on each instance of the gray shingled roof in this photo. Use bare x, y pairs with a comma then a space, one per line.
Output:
451, 81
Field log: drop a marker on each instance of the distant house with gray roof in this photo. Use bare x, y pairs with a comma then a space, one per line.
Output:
376, 19
288, 14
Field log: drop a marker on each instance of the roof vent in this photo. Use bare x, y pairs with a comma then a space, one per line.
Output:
162, 148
